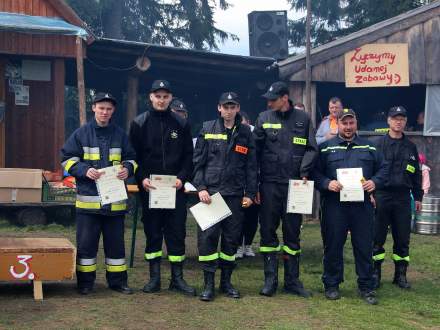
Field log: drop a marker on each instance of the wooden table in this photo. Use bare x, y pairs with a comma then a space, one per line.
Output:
36, 260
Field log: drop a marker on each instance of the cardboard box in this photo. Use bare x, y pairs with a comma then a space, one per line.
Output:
20, 185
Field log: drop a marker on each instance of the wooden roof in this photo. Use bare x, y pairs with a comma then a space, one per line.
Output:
370, 34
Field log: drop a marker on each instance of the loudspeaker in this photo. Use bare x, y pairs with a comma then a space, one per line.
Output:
268, 34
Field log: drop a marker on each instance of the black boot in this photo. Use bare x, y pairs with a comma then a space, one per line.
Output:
400, 275
208, 290
225, 284
377, 274
153, 284
270, 274
177, 282
292, 284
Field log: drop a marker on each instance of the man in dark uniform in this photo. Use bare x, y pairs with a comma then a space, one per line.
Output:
348, 150
225, 162
286, 150
163, 143
177, 106
96, 145
393, 202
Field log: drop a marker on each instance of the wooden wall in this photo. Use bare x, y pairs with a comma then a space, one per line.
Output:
29, 7
2, 123
424, 51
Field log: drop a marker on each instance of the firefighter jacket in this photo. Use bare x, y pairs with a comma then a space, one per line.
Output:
402, 160
337, 153
97, 147
163, 144
286, 145
225, 164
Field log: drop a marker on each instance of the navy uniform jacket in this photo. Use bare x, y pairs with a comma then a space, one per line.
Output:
97, 147
286, 145
338, 153
225, 165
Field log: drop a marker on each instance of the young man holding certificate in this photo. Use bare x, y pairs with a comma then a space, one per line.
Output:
163, 143
100, 144
349, 168
225, 163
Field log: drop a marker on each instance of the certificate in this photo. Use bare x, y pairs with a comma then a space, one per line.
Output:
300, 197
110, 188
164, 196
351, 181
208, 215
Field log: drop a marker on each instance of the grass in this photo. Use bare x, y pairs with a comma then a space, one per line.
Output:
63, 308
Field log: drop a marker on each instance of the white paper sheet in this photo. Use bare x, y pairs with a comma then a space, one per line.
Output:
110, 188
208, 215
164, 196
300, 197
351, 180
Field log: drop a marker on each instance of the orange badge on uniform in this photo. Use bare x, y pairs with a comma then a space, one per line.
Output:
241, 149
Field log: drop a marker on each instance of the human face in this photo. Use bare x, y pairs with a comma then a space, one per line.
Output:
347, 127
397, 123
228, 111
103, 112
278, 104
334, 109
160, 99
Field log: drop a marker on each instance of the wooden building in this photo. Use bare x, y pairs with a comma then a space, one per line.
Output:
32, 124
419, 29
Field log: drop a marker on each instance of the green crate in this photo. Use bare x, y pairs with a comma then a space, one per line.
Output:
51, 194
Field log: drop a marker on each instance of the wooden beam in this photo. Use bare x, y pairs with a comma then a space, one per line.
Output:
80, 81
38, 290
132, 99
2, 120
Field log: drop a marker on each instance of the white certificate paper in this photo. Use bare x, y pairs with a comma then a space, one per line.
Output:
300, 197
208, 215
351, 180
164, 196
110, 188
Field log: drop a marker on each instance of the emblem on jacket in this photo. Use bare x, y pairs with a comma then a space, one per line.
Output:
174, 134
412, 157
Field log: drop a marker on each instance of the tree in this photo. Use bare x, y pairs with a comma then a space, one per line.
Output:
335, 18
180, 23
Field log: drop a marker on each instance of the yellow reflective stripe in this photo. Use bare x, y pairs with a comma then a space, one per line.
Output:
132, 162
153, 255
334, 148
69, 163
114, 269
382, 130
92, 157
364, 147
410, 168
114, 157
290, 251
272, 125
88, 205
176, 258
86, 269
298, 140
226, 257
211, 257
270, 249
210, 136
118, 206
399, 258
378, 257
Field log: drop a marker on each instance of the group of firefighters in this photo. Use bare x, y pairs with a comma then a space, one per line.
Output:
246, 167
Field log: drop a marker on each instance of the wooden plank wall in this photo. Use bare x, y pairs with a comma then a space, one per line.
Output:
424, 51
40, 45
2, 123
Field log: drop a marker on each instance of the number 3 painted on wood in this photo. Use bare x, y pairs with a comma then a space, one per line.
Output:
22, 259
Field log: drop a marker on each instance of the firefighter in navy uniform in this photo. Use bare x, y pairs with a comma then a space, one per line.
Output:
393, 202
286, 149
163, 143
347, 150
225, 162
99, 144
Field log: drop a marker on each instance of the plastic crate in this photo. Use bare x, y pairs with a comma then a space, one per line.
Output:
52, 194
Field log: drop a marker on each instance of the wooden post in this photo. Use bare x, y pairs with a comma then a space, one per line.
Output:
132, 99
38, 290
80, 78
2, 122
308, 64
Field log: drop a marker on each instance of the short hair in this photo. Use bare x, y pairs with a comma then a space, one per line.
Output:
335, 99
245, 115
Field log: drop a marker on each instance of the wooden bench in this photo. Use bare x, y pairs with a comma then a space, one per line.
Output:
36, 260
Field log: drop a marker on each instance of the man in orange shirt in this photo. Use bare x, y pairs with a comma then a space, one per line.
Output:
329, 125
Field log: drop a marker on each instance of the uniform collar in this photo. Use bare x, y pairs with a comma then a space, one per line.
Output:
342, 141
95, 124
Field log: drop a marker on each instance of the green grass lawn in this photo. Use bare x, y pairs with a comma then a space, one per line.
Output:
63, 308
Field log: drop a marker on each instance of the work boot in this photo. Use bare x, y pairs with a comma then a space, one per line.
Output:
332, 293
225, 284
208, 290
292, 284
400, 275
177, 282
124, 289
84, 290
369, 296
270, 274
377, 274
153, 284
